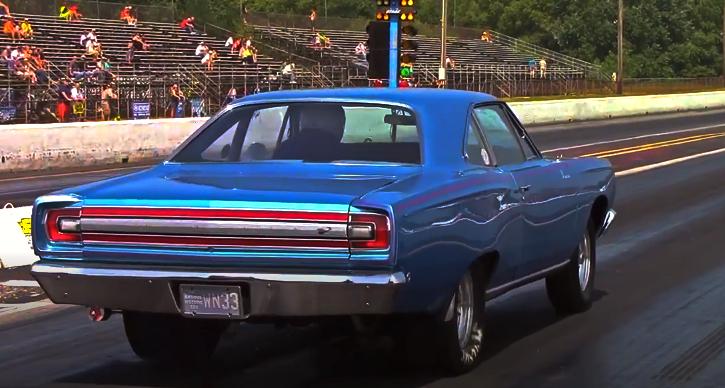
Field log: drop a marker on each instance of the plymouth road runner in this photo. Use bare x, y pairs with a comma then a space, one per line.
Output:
395, 206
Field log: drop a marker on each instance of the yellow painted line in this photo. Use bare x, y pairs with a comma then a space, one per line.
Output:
645, 147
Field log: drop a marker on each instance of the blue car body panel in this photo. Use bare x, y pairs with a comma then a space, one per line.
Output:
446, 212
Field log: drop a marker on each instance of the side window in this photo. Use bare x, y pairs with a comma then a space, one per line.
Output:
529, 150
476, 148
261, 139
500, 135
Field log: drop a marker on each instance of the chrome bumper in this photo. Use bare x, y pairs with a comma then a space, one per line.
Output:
152, 289
607, 222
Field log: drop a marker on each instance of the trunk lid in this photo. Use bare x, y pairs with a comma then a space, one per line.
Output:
266, 214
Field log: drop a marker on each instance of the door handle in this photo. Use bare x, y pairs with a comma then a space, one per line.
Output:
524, 189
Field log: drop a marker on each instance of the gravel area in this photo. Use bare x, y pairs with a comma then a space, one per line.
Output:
12, 295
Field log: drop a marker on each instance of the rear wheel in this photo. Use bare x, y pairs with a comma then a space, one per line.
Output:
453, 339
570, 291
170, 339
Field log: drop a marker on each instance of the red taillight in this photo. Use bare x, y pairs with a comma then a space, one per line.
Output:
369, 231
63, 225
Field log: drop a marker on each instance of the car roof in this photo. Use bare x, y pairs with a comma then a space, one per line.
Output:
409, 96
442, 114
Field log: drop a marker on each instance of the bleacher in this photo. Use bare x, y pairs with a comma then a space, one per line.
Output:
466, 53
170, 58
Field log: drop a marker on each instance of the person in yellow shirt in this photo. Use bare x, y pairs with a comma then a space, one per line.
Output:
26, 30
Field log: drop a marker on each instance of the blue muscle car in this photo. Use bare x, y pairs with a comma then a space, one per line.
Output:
410, 207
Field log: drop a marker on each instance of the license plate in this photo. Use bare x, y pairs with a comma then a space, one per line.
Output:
211, 301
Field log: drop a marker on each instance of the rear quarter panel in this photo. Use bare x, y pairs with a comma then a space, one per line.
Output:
443, 222
595, 178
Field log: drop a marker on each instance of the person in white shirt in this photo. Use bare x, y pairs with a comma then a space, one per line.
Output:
542, 66
201, 50
91, 36
361, 49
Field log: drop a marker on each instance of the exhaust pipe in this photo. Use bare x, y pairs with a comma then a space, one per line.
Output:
99, 314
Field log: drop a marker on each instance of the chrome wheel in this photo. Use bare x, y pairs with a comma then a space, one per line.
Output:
464, 310
585, 262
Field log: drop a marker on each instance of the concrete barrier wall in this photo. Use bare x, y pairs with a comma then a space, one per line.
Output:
45, 147
557, 111
30, 147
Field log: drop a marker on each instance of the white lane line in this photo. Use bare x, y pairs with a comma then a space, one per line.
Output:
667, 163
14, 308
20, 283
634, 138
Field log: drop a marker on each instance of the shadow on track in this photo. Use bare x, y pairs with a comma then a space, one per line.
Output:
330, 357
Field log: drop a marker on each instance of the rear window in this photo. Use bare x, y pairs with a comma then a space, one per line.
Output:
310, 132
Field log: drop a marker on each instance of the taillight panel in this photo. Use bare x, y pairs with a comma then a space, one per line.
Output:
369, 231
63, 225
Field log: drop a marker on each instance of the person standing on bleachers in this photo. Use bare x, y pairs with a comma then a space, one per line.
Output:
542, 67
176, 97
313, 17
532, 67
64, 99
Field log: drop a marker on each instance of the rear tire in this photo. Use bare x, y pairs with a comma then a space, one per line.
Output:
172, 340
452, 339
570, 291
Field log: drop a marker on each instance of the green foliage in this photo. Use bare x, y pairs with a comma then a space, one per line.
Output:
663, 38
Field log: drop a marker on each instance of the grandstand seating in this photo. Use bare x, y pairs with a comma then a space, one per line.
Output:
170, 58
463, 52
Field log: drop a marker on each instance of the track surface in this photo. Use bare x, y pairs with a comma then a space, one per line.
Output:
658, 320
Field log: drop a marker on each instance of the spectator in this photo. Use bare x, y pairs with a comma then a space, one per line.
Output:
89, 37
201, 50
542, 67
188, 25
11, 29
69, 13
139, 43
486, 37
245, 12
79, 101
289, 70
108, 98
231, 95
4, 10
76, 67
176, 98
236, 46
450, 63
532, 67
64, 99
313, 17
129, 15
361, 49
249, 56
209, 60
130, 53
26, 30
95, 51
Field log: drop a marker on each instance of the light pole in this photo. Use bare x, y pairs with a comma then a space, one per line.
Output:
620, 43
444, 33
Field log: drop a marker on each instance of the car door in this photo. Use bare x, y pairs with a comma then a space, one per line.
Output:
548, 221
497, 206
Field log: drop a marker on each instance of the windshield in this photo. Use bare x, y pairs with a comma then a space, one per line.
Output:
309, 132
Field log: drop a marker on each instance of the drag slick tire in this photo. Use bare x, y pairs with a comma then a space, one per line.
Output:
570, 291
170, 339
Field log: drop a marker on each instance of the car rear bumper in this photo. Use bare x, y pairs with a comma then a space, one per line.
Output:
156, 289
